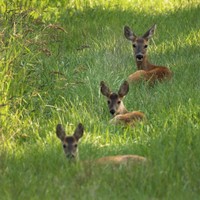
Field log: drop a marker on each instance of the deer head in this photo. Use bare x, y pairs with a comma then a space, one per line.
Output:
114, 100
140, 44
70, 143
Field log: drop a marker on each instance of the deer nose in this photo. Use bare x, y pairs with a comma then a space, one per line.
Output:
112, 111
139, 57
70, 156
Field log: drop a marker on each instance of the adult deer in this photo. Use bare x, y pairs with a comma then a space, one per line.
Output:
116, 107
146, 71
70, 146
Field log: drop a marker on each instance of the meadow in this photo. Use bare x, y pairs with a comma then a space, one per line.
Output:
53, 55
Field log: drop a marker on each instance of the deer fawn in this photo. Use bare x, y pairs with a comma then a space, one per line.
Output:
70, 143
70, 146
116, 106
146, 71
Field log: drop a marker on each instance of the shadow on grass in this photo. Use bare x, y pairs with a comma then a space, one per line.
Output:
94, 22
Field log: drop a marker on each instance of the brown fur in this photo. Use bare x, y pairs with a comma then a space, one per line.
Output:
129, 118
117, 108
146, 71
122, 159
151, 76
70, 146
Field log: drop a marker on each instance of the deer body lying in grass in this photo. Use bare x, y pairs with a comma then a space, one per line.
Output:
70, 146
116, 107
146, 71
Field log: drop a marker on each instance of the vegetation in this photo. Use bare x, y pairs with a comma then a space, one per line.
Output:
53, 55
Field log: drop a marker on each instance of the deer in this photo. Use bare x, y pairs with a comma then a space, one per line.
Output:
145, 70
116, 107
70, 147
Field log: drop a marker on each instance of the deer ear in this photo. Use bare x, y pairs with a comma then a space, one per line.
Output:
129, 34
150, 32
60, 132
104, 89
79, 131
123, 90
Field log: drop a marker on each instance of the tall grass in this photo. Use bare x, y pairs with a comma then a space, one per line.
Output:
53, 55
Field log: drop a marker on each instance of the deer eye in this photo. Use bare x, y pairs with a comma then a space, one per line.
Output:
134, 46
145, 46
75, 145
118, 102
108, 101
64, 146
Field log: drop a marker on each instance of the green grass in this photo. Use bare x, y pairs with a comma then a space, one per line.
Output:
47, 77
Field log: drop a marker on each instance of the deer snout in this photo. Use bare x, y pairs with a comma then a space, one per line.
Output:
70, 156
139, 57
112, 111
